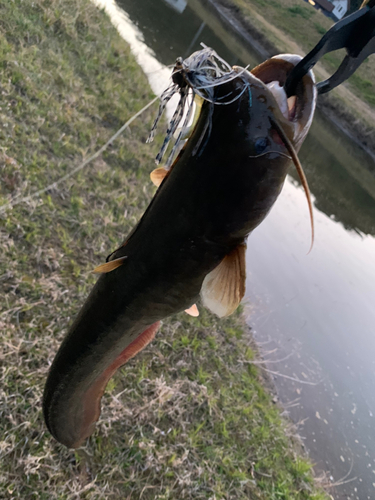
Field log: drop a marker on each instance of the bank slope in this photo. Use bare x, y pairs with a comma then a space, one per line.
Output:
296, 27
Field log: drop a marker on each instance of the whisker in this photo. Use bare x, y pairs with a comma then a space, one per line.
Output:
301, 175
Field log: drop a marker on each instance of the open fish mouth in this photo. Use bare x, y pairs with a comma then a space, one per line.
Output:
298, 110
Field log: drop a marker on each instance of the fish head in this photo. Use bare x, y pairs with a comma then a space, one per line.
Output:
276, 125
294, 114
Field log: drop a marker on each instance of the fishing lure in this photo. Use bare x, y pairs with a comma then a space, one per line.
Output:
191, 240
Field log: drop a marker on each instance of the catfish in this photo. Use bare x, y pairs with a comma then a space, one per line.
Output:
191, 240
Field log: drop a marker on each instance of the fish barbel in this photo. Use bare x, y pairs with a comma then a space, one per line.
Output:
191, 239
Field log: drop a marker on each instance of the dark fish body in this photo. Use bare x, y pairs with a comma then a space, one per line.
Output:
219, 189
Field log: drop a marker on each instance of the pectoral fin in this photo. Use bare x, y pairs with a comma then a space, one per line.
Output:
224, 287
157, 175
109, 266
193, 311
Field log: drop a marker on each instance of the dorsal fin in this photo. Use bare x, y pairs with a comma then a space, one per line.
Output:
224, 287
107, 267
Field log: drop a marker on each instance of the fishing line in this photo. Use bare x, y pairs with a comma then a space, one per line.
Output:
217, 103
193, 63
17, 200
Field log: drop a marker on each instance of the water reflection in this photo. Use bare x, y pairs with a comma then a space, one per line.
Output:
340, 181
178, 5
316, 313
166, 31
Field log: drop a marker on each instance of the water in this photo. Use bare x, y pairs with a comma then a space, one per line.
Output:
312, 315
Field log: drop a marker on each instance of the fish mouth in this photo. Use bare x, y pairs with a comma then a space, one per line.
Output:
297, 110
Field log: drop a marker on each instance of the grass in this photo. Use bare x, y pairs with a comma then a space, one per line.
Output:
188, 418
300, 23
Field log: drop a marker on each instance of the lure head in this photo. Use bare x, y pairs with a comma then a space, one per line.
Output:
178, 73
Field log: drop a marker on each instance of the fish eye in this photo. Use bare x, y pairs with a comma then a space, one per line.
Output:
260, 145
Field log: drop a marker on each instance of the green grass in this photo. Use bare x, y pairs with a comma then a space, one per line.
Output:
189, 417
365, 86
300, 10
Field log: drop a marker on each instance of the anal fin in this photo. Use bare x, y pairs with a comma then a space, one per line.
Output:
91, 398
224, 287
193, 311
